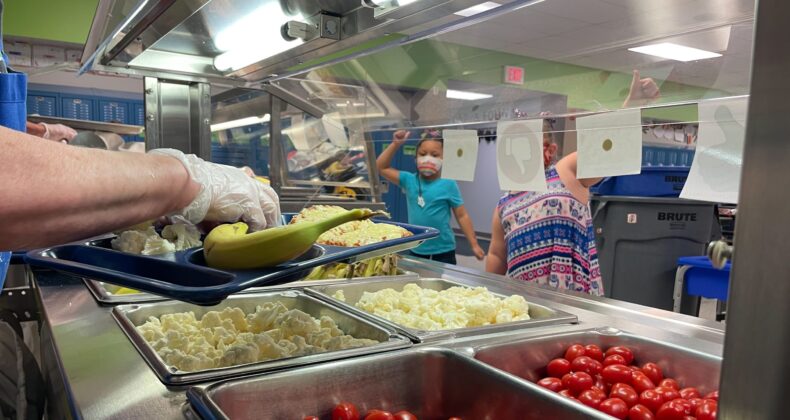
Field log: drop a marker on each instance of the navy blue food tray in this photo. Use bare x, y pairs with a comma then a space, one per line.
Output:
184, 276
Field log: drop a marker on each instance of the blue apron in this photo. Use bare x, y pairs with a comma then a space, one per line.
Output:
13, 93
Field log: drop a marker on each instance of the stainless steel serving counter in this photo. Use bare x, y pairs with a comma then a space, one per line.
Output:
96, 373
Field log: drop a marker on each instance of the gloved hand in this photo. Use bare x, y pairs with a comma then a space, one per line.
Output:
58, 132
226, 194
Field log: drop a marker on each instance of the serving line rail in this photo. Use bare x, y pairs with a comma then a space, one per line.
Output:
95, 372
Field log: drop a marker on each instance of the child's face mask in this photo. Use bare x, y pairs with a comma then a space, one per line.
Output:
429, 165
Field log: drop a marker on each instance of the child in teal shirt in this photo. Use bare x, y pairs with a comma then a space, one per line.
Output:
429, 197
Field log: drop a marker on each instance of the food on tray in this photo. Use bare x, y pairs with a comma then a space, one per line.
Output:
230, 247
230, 337
386, 265
456, 307
144, 239
355, 233
612, 383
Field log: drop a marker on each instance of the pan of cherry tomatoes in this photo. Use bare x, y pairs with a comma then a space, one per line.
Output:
608, 380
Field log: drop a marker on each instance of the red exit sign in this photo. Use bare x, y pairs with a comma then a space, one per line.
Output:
514, 75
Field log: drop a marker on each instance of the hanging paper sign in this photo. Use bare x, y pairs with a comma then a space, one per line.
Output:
460, 154
715, 173
609, 144
519, 153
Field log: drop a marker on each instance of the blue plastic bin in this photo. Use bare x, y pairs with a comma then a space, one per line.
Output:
652, 182
702, 279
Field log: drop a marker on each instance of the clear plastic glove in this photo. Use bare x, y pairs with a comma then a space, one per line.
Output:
226, 194
58, 132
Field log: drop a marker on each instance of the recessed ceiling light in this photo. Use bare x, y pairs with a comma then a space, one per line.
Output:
466, 96
675, 52
480, 8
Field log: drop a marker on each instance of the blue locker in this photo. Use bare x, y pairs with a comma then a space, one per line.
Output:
114, 111
42, 103
404, 160
77, 108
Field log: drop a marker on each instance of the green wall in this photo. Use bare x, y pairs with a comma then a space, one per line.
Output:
52, 20
429, 63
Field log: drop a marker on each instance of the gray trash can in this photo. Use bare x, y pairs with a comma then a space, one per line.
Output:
640, 239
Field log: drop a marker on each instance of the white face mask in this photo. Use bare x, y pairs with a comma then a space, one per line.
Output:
429, 165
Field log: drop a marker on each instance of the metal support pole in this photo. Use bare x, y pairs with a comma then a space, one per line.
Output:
178, 116
278, 171
373, 170
756, 370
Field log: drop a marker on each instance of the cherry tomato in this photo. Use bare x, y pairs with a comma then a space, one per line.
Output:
669, 383
668, 394
601, 384
593, 351
627, 354
345, 411
672, 410
613, 374
688, 408
310, 418
379, 415
574, 351
689, 418
707, 411
586, 364
454, 418
558, 367
712, 396
641, 382
592, 397
566, 380
695, 403
614, 407
625, 393
640, 412
689, 393
550, 383
404, 415
651, 399
566, 393
614, 359
579, 382
653, 372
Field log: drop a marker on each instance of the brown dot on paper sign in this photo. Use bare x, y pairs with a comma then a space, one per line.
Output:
607, 145
460, 152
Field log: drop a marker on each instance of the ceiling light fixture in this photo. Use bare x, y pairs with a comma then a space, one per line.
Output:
480, 8
675, 52
242, 41
242, 122
466, 95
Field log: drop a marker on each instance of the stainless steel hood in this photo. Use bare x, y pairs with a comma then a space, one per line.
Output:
242, 41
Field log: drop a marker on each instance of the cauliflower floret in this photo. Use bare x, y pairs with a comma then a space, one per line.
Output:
264, 316
182, 236
296, 323
339, 295
155, 245
239, 354
269, 348
236, 316
131, 241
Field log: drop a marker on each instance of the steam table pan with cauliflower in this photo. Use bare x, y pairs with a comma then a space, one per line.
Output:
428, 310
255, 332
183, 275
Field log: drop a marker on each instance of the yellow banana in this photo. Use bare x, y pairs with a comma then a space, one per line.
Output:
230, 247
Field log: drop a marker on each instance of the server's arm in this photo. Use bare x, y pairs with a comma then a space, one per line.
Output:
53, 193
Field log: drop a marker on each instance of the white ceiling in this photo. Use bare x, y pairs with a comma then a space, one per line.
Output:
598, 33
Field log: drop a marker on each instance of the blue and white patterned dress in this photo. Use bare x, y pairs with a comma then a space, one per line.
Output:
550, 239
